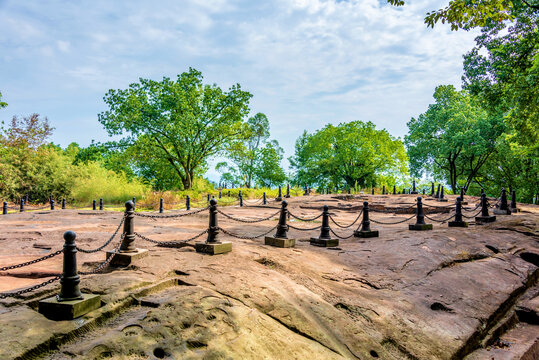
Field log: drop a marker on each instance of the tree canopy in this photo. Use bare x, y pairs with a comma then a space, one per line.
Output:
353, 154
177, 124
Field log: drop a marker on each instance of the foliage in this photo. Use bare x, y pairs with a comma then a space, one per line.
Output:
177, 124
453, 139
354, 154
255, 157
2, 104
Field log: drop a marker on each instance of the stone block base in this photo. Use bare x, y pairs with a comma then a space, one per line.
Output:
366, 234
501, 212
278, 199
287, 196
213, 248
458, 224
279, 242
514, 210
485, 219
324, 242
420, 227
126, 258
53, 309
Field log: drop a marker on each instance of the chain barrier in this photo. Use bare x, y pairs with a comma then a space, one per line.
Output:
439, 207
303, 229
171, 216
440, 221
470, 210
305, 219
32, 288
473, 216
391, 223
347, 226
247, 237
105, 263
174, 242
248, 221
106, 243
256, 202
339, 236
51, 255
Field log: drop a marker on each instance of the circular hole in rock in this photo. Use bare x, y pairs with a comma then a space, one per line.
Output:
374, 354
440, 307
159, 353
530, 257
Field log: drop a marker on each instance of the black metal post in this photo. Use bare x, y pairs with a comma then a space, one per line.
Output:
101, 204
373, 190
432, 189
213, 229
264, 198
394, 190
94, 207
287, 190
128, 242
4, 208
513, 199
208, 198
438, 192
324, 230
241, 199
442, 193
219, 194
228, 193
414, 191
70, 278
161, 210
21, 208
134, 203
484, 205
282, 228
52, 204
63, 204
187, 203
349, 190
462, 194
280, 196
383, 190
503, 201
420, 216
458, 222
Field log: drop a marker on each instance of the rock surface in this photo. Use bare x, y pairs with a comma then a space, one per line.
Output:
448, 293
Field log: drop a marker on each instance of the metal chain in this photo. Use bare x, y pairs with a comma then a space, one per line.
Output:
51, 255
171, 216
247, 220
305, 219
473, 216
105, 263
32, 288
175, 242
391, 223
470, 210
247, 237
107, 242
391, 211
339, 236
439, 207
440, 221
302, 229
347, 226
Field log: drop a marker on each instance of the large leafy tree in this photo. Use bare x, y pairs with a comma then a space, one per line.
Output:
255, 158
179, 123
454, 138
352, 154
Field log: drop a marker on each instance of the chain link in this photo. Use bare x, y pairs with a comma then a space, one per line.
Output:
339, 236
305, 219
391, 211
107, 242
303, 229
32, 288
440, 221
347, 226
473, 216
51, 255
175, 242
106, 262
392, 223
439, 207
171, 216
247, 237
248, 221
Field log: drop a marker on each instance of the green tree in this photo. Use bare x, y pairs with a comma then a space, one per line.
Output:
179, 123
354, 153
453, 139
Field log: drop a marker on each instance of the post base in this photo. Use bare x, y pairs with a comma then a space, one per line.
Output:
126, 258
502, 212
279, 242
414, 193
485, 219
441, 200
287, 196
458, 224
514, 210
420, 227
213, 248
53, 309
366, 234
464, 203
324, 242
278, 199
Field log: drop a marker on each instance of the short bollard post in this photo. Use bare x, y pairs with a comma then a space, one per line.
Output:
280, 195
437, 196
127, 252
212, 245
442, 198
504, 207
462, 197
513, 206
485, 216
394, 190
458, 222
306, 193
101, 204
70, 303
187, 203
423, 191
63, 204
287, 191
280, 239
228, 193
383, 190
349, 190
373, 191
219, 194
4, 208
241, 199
432, 189
134, 202
21, 208
414, 191
94, 207
365, 230
208, 199
264, 198
52, 204
420, 218
161, 206
324, 240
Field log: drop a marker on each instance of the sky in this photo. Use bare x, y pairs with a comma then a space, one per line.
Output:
306, 62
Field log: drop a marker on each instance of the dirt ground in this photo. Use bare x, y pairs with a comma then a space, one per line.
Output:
448, 293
